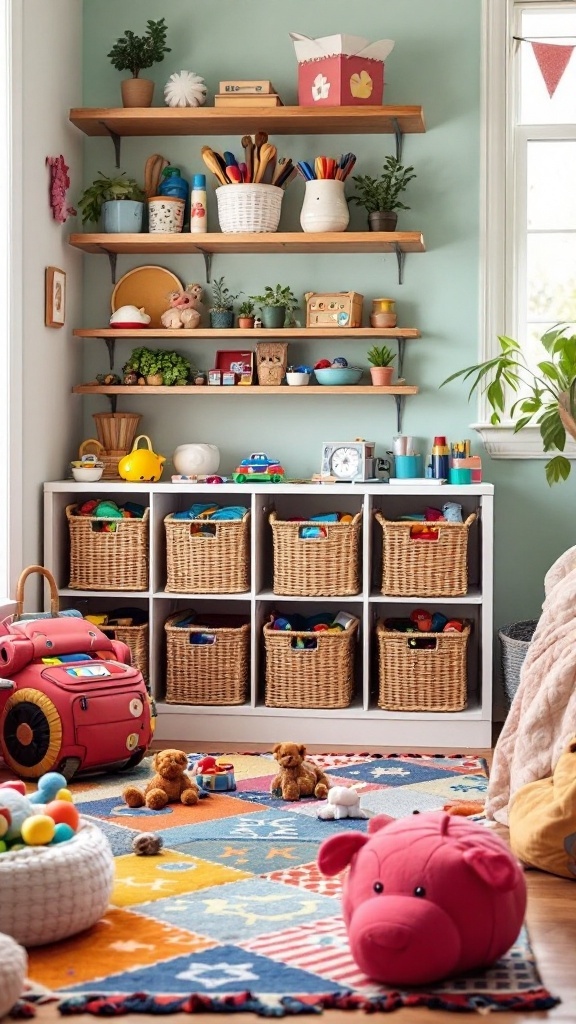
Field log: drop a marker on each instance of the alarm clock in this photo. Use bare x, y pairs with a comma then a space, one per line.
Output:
348, 460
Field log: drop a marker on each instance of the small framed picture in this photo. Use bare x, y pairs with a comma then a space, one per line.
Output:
55, 297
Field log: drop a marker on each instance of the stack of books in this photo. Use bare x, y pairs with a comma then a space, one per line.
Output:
241, 93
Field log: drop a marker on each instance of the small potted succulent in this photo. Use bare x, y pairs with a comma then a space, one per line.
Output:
156, 367
222, 308
134, 53
246, 314
381, 369
379, 196
119, 201
276, 304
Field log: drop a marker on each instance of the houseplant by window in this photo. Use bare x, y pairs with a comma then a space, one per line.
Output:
222, 308
119, 201
381, 369
276, 305
135, 53
157, 366
547, 392
379, 196
246, 314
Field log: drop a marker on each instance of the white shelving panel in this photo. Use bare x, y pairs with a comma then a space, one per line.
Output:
363, 722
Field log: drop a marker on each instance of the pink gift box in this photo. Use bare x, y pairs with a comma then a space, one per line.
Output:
340, 70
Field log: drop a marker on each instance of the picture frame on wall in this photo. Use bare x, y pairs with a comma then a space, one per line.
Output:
55, 297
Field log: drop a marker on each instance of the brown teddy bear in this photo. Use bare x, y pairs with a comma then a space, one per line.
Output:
296, 776
170, 785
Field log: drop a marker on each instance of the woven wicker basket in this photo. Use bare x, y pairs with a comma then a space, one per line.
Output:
421, 568
108, 561
110, 457
422, 680
515, 639
214, 673
136, 637
318, 678
249, 207
320, 566
200, 563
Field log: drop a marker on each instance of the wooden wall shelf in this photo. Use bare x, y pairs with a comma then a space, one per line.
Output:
254, 390
254, 334
250, 242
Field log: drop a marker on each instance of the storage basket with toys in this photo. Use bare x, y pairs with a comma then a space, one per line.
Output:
318, 557
310, 663
130, 626
207, 658
108, 545
422, 662
425, 559
208, 550
56, 868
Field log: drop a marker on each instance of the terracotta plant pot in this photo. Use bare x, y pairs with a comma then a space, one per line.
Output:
246, 322
155, 380
382, 220
382, 375
137, 92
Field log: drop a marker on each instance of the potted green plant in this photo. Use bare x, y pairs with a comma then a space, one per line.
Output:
246, 314
134, 53
155, 367
119, 201
222, 308
379, 196
548, 391
276, 305
381, 369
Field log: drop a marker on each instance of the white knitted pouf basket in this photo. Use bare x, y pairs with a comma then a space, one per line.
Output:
13, 964
249, 207
50, 892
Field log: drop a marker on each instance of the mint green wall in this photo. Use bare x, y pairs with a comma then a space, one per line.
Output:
435, 62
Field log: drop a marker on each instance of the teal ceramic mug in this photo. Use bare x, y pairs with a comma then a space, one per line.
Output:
408, 467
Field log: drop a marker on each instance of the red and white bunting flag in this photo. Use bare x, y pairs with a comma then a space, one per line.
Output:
552, 60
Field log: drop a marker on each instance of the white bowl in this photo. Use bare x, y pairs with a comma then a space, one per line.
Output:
87, 474
297, 379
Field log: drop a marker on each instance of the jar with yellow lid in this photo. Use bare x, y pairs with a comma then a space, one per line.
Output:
383, 313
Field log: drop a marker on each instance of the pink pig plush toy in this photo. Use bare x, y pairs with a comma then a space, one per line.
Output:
426, 897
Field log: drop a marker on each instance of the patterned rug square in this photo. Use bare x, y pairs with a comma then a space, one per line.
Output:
233, 912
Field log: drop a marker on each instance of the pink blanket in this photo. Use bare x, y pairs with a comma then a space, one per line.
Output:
543, 714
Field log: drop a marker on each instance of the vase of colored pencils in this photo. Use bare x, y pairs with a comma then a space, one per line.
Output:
324, 207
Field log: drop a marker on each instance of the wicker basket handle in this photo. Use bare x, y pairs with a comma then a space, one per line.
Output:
471, 518
90, 441
54, 599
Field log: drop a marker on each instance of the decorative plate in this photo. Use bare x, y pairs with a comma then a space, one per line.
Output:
148, 287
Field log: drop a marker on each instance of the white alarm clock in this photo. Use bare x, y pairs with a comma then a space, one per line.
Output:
348, 460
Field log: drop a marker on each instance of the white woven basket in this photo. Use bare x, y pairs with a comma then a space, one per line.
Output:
249, 207
13, 964
48, 893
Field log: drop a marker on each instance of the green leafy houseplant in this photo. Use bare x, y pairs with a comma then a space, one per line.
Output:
134, 53
276, 297
246, 308
147, 362
547, 393
380, 356
103, 190
222, 299
381, 195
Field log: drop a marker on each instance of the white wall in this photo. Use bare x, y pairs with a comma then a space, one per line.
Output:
48, 81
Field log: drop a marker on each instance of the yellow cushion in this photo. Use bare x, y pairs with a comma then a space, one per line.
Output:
542, 819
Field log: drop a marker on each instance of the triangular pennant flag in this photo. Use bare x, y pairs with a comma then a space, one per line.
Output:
552, 61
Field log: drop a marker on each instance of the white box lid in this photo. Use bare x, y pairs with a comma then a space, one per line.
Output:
327, 46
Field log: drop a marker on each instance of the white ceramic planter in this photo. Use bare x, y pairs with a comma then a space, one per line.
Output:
324, 207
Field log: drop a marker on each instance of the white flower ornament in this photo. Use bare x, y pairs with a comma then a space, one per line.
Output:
185, 89
320, 87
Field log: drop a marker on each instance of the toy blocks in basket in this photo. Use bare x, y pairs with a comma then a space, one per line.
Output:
318, 557
208, 550
425, 559
207, 658
108, 545
310, 662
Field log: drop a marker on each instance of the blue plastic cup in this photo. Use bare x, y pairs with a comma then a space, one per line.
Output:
408, 466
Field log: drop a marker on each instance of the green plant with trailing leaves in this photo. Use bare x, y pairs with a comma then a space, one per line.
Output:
135, 53
382, 356
148, 362
547, 392
103, 190
381, 194
277, 296
222, 299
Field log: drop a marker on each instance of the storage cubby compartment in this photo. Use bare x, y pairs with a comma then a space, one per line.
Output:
127, 622
108, 553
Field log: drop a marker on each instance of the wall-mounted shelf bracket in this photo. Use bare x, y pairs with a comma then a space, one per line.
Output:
111, 345
208, 264
116, 140
399, 399
113, 399
401, 350
113, 259
398, 135
400, 257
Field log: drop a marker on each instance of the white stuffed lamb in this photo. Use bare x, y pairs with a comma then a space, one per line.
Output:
343, 802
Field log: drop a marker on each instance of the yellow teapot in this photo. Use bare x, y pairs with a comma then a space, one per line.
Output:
141, 464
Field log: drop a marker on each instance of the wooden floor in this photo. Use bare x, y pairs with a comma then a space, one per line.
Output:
551, 919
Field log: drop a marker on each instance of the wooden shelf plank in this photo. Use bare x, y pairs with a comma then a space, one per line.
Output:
250, 242
257, 334
372, 120
254, 390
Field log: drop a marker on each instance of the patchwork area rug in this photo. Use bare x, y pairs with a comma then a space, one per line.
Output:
234, 914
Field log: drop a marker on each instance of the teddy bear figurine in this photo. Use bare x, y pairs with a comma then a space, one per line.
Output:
170, 785
184, 309
296, 776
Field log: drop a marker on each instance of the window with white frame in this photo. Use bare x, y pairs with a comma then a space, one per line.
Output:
529, 251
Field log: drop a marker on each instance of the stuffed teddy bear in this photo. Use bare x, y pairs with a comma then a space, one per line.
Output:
297, 777
184, 308
426, 897
343, 802
170, 785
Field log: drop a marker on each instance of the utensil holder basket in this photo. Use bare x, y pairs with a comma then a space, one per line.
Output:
249, 207
322, 677
215, 673
108, 561
317, 566
422, 680
202, 563
424, 568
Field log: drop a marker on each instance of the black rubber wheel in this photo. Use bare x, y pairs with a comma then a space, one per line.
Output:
31, 733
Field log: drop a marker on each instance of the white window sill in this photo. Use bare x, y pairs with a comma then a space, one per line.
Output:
502, 443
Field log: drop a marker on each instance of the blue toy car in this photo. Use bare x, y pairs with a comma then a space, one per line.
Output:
259, 466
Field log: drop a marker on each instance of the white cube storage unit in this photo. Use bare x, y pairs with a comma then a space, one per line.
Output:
362, 722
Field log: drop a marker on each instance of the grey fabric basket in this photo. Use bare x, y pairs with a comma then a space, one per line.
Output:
514, 643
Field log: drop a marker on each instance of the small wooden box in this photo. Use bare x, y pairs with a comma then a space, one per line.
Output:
334, 309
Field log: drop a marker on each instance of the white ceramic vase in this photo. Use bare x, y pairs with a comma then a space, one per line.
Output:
324, 207
196, 459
